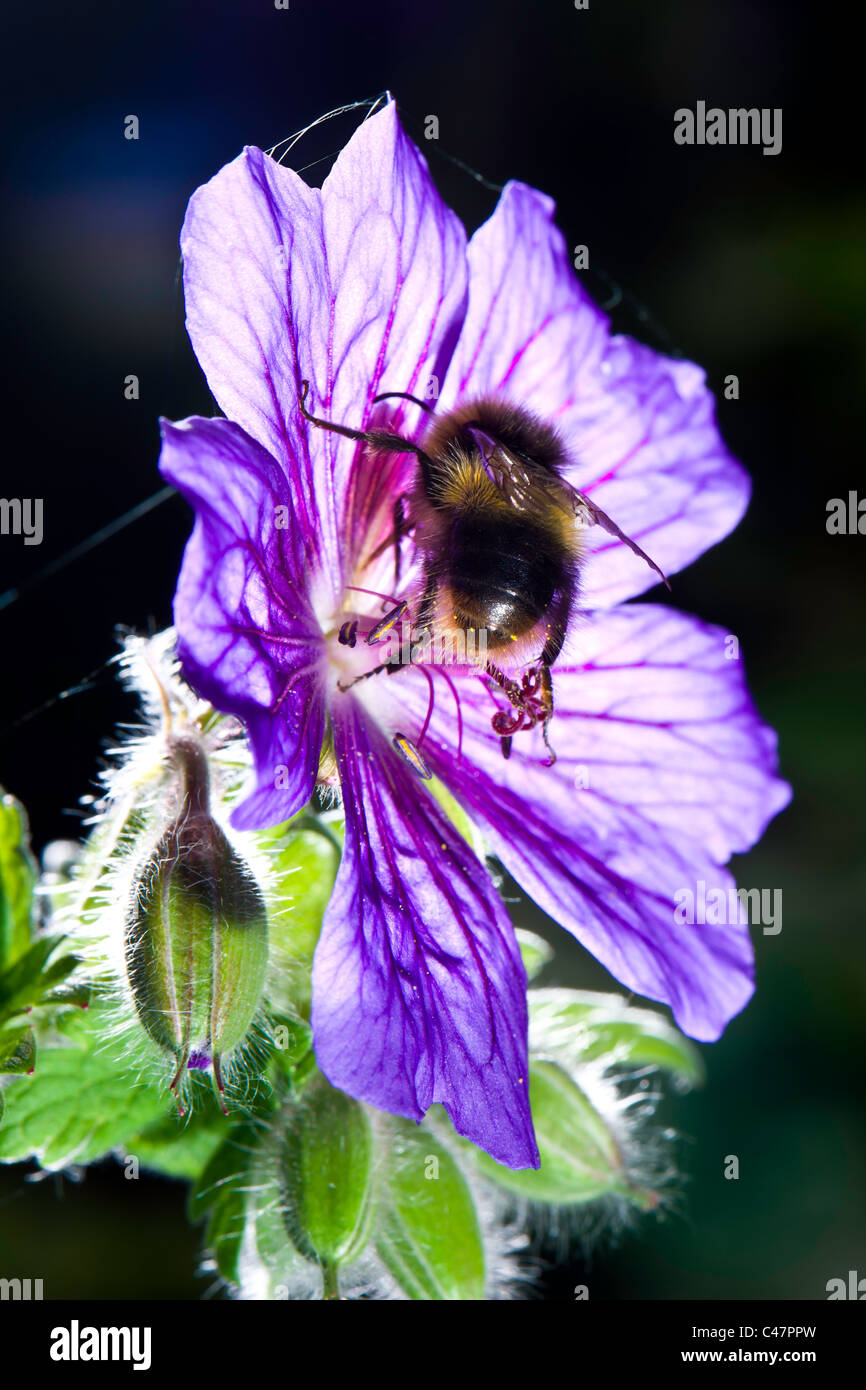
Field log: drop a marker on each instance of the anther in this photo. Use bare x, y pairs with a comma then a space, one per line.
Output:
413, 757
377, 633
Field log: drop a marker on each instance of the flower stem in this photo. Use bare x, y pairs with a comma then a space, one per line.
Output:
330, 1280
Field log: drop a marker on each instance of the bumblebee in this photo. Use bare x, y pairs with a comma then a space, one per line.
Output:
501, 534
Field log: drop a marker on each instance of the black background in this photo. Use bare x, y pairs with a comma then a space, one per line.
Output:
748, 264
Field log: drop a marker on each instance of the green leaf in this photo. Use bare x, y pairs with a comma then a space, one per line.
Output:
178, 1146
35, 974
293, 1040
17, 1051
580, 1160
326, 1175
304, 864
221, 1194
78, 1106
606, 1026
69, 996
535, 951
17, 880
428, 1233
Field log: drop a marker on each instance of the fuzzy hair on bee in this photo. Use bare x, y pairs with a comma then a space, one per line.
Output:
494, 522
501, 534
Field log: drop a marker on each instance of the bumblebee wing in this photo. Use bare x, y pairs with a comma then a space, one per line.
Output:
502, 468
587, 513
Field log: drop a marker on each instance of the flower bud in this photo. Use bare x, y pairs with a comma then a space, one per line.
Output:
196, 933
429, 1231
326, 1174
580, 1156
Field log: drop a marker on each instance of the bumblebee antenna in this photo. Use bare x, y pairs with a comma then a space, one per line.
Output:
404, 395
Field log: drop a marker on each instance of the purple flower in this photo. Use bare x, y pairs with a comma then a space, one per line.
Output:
664, 768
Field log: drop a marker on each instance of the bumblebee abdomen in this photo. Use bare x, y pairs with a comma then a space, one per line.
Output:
502, 578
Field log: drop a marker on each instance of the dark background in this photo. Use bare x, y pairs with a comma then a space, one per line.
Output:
748, 264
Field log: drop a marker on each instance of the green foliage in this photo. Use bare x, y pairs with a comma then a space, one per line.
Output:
300, 1177
77, 1107
180, 1146
534, 950
304, 856
221, 1195
428, 1233
606, 1026
34, 974
580, 1160
327, 1175
34, 977
17, 1051
17, 881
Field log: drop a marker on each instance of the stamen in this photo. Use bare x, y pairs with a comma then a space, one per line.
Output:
377, 633
430, 698
348, 633
453, 690
408, 750
374, 593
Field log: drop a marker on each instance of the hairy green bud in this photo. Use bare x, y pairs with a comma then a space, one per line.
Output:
326, 1179
580, 1157
196, 934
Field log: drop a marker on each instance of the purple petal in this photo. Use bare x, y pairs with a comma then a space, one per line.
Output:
358, 288
530, 331
649, 453
419, 991
640, 426
680, 773
248, 639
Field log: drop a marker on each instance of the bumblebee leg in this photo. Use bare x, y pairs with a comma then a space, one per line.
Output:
510, 689
380, 439
388, 666
547, 702
560, 614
